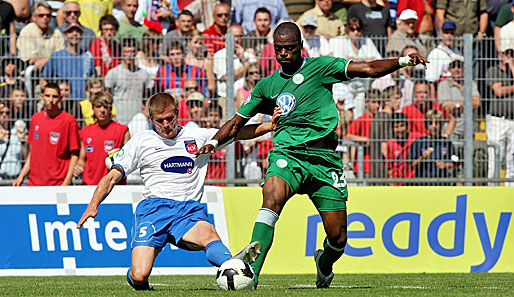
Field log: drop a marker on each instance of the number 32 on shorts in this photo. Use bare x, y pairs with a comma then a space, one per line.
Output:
339, 180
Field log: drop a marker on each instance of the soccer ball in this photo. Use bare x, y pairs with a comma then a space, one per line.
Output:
109, 160
235, 274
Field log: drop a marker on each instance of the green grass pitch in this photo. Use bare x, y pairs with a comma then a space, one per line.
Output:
457, 284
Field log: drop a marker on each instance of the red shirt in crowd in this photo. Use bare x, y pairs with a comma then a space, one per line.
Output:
52, 141
213, 40
98, 142
105, 56
217, 168
397, 155
416, 119
361, 126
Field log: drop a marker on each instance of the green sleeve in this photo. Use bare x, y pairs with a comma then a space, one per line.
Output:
254, 103
333, 70
504, 16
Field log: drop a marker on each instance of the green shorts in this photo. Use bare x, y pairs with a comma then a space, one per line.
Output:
315, 172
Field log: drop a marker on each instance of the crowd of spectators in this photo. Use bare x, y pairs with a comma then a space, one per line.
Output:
89, 66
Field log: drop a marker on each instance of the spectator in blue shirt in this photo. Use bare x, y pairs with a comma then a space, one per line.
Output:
71, 15
243, 12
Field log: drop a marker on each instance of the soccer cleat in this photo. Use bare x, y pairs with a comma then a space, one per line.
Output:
143, 287
250, 253
321, 280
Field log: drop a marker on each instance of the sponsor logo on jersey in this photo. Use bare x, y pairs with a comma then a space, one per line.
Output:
88, 140
108, 145
36, 135
191, 146
281, 163
298, 78
37, 127
248, 99
178, 164
286, 102
89, 148
120, 153
54, 137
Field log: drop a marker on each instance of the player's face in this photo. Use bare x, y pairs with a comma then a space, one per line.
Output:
51, 99
287, 49
165, 122
400, 130
102, 112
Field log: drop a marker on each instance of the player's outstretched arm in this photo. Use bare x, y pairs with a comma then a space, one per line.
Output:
378, 68
227, 132
102, 190
256, 130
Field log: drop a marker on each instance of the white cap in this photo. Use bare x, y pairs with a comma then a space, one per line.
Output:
310, 20
408, 14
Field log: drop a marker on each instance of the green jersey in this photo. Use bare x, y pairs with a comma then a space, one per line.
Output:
308, 108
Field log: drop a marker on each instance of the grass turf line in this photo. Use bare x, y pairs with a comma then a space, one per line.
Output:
475, 284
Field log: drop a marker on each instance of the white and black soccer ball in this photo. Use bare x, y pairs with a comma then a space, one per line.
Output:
109, 160
235, 274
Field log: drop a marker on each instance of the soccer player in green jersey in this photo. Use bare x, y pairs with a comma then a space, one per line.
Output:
304, 159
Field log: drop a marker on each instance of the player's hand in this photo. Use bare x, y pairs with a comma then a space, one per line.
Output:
89, 213
418, 59
206, 149
78, 170
276, 115
18, 182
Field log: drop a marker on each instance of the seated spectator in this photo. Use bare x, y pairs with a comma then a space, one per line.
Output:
10, 71
140, 122
381, 130
242, 58
425, 12
499, 123
399, 147
329, 25
7, 29
71, 12
432, 155
12, 135
105, 49
128, 83
70, 63
263, 34
195, 104
68, 104
245, 11
98, 140
37, 40
354, 46
422, 104
215, 34
442, 55
184, 29
404, 78
316, 45
92, 13
217, 167
22, 108
252, 77
172, 76
267, 59
128, 25
376, 21
53, 133
148, 57
359, 131
406, 34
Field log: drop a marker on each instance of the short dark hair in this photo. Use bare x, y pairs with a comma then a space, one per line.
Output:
185, 12
421, 81
175, 45
129, 42
52, 85
408, 47
398, 117
287, 28
214, 106
18, 86
261, 10
109, 20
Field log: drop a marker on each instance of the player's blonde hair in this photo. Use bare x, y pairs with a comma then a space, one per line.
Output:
160, 102
104, 99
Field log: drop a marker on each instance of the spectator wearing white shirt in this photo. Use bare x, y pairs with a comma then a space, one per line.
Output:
316, 45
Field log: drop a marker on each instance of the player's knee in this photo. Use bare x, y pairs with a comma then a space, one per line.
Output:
338, 237
139, 275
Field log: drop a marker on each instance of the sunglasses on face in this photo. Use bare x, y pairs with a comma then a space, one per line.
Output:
70, 12
253, 72
222, 15
191, 88
44, 15
5, 112
356, 29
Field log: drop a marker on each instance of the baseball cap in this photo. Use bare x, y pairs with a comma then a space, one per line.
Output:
195, 97
310, 20
449, 26
408, 14
71, 26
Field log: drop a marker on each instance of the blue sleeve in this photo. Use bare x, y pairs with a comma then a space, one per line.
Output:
414, 151
48, 71
236, 12
175, 10
283, 14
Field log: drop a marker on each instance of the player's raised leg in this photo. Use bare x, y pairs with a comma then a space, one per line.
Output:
335, 223
143, 258
275, 194
203, 236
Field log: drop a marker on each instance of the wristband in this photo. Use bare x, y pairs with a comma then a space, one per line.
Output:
405, 61
213, 142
